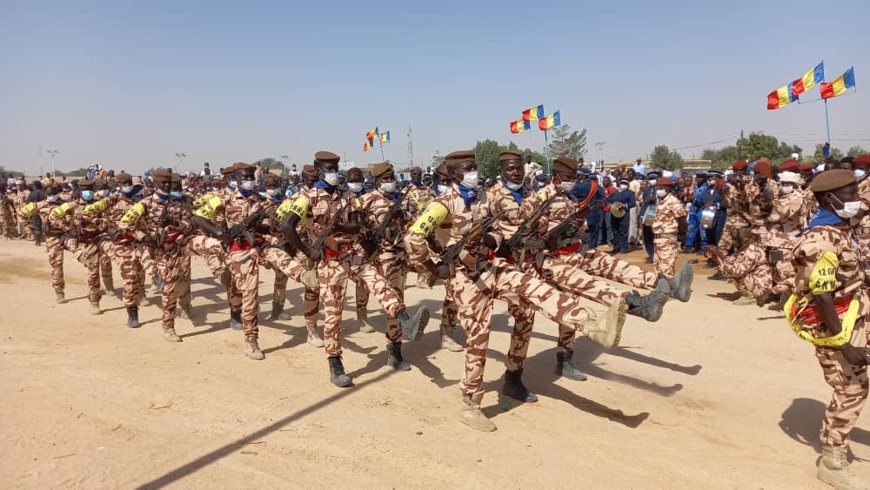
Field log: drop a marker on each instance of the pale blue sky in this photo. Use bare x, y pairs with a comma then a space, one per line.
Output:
130, 83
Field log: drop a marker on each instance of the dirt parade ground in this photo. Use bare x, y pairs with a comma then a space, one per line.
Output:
714, 395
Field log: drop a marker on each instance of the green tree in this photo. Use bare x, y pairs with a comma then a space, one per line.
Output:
486, 152
855, 151
751, 148
664, 158
819, 155
564, 142
271, 164
537, 156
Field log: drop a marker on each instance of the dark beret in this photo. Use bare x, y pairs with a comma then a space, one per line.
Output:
380, 169
161, 176
831, 180
701, 174
84, 184
309, 170
457, 157
665, 181
862, 160
740, 165
441, 170
228, 170
565, 165
354, 172
242, 166
789, 165
510, 155
123, 177
176, 178
326, 157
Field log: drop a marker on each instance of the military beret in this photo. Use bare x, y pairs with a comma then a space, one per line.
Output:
242, 166
354, 173
458, 157
702, 174
510, 155
715, 173
740, 165
831, 180
176, 178
271, 179
806, 167
101, 183
85, 184
789, 165
123, 177
381, 169
326, 157
862, 160
309, 170
228, 170
762, 166
653, 175
415, 168
441, 170
161, 176
665, 181
565, 164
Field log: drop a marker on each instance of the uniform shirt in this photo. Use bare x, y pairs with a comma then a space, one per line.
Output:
668, 211
375, 208
698, 193
500, 197
153, 215
863, 228
625, 197
54, 225
89, 224
560, 208
648, 198
319, 206
787, 213
419, 198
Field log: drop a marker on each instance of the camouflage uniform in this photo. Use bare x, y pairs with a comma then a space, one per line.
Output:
7, 221
24, 231
419, 197
665, 227
123, 251
54, 229
862, 231
785, 222
87, 245
733, 200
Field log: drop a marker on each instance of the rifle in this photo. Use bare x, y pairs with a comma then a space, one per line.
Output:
382, 229
566, 227
452, 253
329, 227
241, 232
530, 223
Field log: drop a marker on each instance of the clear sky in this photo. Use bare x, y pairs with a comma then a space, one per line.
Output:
130, 83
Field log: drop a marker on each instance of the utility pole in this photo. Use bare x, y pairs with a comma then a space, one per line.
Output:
180, 162
410, 148
52, 153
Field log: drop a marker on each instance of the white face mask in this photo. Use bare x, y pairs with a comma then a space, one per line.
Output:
53, 198
271, 192
567, 186
469, 180
623, 187
387, 187
247, 185
859, 173
850, 209
512, 186
103, 192
355, 186
661, 192
786, 188
127, 189
442, 188
234, 184
331, 178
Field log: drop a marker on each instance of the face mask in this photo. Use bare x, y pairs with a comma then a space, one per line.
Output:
53, 198
331, 178
442, 188
234, 184
355, 186
786, 189
859, 174
512, 186
103, 192
661, 192
850, 209
247, 185
469, 180
623, 187
271, 192
387, 187
568, 186
177, 194
127, 189
88, 195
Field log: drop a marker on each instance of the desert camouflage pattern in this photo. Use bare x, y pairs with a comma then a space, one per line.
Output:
666, 227
862, 230
749, 270
600, 264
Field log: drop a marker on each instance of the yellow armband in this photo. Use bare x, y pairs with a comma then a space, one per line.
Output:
60, 211
823, 277
430, 219
134, 213
542, 196
300, 207
201, 200
27, 210
795, 306
97, 207
209, 207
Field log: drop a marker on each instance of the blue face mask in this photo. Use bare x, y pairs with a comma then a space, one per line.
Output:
177, 194
88, 195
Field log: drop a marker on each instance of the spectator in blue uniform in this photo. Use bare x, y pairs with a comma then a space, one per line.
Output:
648, 198
620, 216
694, 231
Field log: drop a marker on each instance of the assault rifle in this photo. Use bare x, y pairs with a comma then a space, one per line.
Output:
566, 227
451, 255
382, 229
241, 232
329, 227
530, 223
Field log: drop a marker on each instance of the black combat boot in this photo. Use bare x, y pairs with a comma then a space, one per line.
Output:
395, 359
413, 326
336, 373
514, 387
648, 307
236, 320
681, 283
565, 367
133, 316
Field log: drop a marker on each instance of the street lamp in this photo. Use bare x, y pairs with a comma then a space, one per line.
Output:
180, 162
600, 145
52, 153
284, 159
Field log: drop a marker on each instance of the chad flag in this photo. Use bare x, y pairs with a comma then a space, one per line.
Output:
809, 80
780, 97
534, 113
519, 126
838, 85
550, 121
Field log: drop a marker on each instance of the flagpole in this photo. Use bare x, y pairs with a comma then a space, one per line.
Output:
827, 122
547, 149
382, 151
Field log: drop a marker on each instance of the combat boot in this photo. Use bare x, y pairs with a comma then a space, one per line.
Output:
363, 316
109, 284
314, 338
225, 278
184, 312
236, 320
395, 359
834, 469
471, 414
607, 330
278, 313
252, 348
95, 309
447, 341
169, 335
565, 366
648, 307
157, 284
514, 387
681, 283
336, 373
133, 316
413, 326
60, 298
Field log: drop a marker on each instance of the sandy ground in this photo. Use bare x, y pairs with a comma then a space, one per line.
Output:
713, 396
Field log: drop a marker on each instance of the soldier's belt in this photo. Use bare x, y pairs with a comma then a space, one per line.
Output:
566, 250
862, 231
337, 249
799, 311
667, 236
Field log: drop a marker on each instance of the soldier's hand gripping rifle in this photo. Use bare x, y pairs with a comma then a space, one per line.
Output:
452, 253
512, 245
328, 228
241, 232
375, 241
566, 228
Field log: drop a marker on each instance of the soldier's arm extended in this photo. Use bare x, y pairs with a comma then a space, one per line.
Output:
296, 212
415, 239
